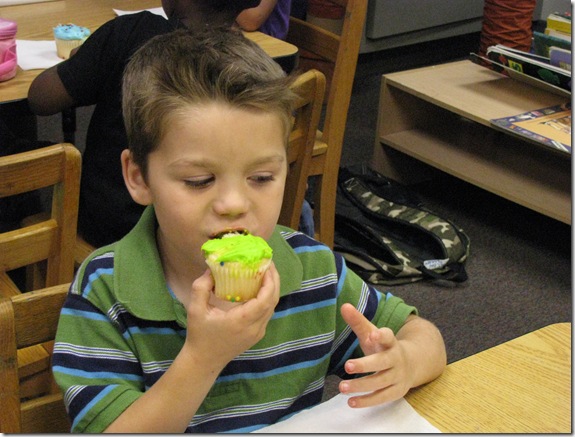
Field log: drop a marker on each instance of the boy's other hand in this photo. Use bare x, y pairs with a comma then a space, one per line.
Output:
385, 362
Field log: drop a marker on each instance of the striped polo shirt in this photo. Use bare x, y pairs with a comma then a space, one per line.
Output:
121, 328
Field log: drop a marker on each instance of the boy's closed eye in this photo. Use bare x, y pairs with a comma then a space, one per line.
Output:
200, 182
262, 178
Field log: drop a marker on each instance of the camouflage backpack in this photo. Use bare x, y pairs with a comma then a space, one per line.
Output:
388, 237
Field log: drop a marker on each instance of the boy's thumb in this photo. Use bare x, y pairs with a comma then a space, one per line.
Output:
203, 287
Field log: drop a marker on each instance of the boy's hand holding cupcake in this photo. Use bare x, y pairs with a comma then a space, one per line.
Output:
220, 330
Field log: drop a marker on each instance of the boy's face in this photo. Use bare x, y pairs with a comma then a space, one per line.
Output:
216, 168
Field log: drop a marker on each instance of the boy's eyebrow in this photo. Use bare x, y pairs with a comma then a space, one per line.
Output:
201, 162
272, 158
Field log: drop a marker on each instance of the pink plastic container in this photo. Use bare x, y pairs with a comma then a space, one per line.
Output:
8, 59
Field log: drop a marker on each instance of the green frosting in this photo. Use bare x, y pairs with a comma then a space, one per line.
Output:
248, 249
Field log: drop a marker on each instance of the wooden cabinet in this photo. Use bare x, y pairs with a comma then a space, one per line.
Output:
440, 116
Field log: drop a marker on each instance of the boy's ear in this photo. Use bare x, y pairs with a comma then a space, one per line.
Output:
134, 179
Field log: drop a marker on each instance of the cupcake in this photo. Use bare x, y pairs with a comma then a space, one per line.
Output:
238, 262
68, 37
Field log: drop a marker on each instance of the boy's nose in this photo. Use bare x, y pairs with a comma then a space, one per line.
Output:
231, 201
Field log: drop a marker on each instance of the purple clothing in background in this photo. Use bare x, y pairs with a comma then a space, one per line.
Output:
277, 23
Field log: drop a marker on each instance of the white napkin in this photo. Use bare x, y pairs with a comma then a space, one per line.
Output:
36, 54
157, 11
335, 416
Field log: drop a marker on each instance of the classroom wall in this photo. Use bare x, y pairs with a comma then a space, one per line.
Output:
397, 23
546, 7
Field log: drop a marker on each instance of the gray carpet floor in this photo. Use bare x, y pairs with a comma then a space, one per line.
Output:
520, 263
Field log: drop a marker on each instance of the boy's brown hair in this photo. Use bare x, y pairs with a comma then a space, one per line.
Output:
173, 71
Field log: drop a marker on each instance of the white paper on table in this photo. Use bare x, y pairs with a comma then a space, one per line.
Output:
157, 11
335, 416
42, 54
36, 54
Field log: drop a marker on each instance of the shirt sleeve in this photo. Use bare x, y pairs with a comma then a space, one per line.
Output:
94, 365
84, 74
382, 309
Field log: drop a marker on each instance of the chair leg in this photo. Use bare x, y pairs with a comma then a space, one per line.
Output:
324, 210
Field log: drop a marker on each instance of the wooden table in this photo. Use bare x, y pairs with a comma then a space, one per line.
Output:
522, 386
440, 116
36, 20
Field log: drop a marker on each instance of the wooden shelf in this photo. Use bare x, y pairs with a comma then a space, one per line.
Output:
441, 129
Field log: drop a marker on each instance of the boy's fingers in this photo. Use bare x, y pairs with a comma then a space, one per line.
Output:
203, 286
386, 337
357, 321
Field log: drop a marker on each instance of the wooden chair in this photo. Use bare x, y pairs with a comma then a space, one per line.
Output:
45, 245
339, 53
310, 87
30, 405
51, 238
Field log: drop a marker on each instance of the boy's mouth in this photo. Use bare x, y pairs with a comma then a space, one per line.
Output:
221, 234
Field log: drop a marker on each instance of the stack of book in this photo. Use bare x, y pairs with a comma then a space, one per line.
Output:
555, 43
548, 67
559, 25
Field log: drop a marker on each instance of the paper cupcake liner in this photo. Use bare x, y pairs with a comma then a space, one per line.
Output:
65, 46
235, 282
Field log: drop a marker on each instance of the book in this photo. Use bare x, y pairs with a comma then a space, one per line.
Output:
560, 58
559, 21
542, 42
550, 126
516, 75
535, 66
557, 34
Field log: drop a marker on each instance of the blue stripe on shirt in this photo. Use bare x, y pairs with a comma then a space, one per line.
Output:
89, 405
96, 375
277, 371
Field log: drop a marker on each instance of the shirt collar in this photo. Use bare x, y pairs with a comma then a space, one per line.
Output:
139, 278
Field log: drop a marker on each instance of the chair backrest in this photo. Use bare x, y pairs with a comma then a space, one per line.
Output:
52, 239
30, 320
338, 54
310, 87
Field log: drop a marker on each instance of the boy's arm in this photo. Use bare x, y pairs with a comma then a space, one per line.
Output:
47, 94
252, 19
395, 363
214, 337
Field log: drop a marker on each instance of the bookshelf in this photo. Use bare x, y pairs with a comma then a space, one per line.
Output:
440, 116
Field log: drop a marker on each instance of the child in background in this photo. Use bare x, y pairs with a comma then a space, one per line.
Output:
93, 76
143, 344
270, 17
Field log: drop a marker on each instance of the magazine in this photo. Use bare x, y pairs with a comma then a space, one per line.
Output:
550, 126
517, 75
536, 66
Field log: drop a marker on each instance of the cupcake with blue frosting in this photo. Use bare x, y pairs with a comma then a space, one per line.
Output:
68, 37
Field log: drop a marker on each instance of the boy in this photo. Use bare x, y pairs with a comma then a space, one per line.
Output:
143, 344
93, 76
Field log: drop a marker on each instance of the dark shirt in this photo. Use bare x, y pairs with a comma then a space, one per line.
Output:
93, 76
